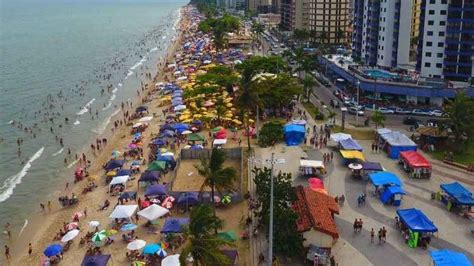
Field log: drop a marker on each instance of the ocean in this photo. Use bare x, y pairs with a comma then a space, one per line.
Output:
74, 59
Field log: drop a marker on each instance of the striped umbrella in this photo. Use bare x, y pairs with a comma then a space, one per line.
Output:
162, 252
99, 236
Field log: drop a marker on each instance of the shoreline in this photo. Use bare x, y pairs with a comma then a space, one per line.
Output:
42, 226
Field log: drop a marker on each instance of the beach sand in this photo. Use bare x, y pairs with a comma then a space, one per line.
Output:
45, 226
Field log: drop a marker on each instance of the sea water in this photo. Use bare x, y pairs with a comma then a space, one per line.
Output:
55, 58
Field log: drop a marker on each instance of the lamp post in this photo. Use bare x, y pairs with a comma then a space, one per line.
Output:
357, 102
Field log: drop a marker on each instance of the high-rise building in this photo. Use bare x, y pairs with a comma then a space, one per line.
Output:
446, 39
326, 20
382, 31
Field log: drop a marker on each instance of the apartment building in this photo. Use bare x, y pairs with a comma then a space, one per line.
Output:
382, 32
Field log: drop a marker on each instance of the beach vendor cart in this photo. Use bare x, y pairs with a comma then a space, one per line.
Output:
356, 170
415, 164
310, 168
457, 198
417, 229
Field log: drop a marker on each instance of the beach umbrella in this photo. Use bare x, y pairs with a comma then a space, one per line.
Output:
128, 227
162, 253
186, 132
132, 146
158, 142
111, 232
99, 236
116, 154
92, 177
77, 215
113, 164
70, 235
227, 236
53, 250
151, 249
172, 260
226, 199
94, 224
138, 263
315, 183
72, 226
157, 166
141, 109
111, 173
156, 190
136, 244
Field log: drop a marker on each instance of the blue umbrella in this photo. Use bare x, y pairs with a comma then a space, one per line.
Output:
113, 164
158, 142
122, 172
151, 249
155, 190
137, 135
136, 163
128, 227
179, 126
53, 250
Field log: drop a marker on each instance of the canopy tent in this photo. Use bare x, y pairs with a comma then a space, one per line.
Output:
157, 166
383, 131
114, 164
124, 172
195, 137
390, 192
372, 166
384, 178
416, 220
414, 159
174, 225
153, 212
397, 142
156, 190
123, 211
445, 257
128, 195
337, 137
188, 198
149, 176
457, 191
119, 180
96, 260
311, 163
172, 260
348, 155
294, 134
219, 142
349, 144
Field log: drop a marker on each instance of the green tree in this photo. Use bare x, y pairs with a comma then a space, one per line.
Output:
278, 91
286, 239
460, 113
219, 27
202, 244
216, 176
378, 118
300, 35
308, 82
257, 29
272, 132
332, 116
220, 75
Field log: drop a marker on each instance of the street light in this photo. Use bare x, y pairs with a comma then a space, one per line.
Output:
357, 106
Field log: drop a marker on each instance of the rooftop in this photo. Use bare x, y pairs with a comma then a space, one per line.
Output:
315, 210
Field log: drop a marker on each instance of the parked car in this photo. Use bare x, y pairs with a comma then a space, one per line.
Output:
334, 103
402, 111
369, 107
420, 112
354, 110
384, 110
437, 113
410, 120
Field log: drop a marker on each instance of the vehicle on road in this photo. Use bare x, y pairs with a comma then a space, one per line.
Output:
384, 110
334, 103
420, 112
437, 113
410, 120
402, 111
354, 110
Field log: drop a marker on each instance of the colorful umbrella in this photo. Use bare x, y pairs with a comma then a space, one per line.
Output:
315, 183
226, 199
136, 244
99, 236
116, 154
72, 226
70, 235
128, 227
151, 248
53, 250
162, 253
111, 232
138, 263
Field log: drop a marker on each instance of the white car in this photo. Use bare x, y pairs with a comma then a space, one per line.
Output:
384, 110
420, 112
437, 113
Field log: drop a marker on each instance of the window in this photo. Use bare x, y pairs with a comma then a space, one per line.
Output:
427, 64
441, 44
442, 23
444, 2
432, 1
381, 57
431, 12
439, 65
440, 55
429, 44
428, 54
442, 12
430, 22
429, 33
441, 33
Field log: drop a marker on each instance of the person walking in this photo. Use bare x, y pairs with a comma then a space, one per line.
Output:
372, 235
7, 252
49, 206
355, 225
30, 249
360, 225
380, 236
384, 235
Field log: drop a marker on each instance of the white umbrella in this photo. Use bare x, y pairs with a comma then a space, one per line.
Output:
355, 166
136, 244
94, 224
180, 107
172, 260
186, 132
206, 62
182, 78
146, 119
70, 235
177, 72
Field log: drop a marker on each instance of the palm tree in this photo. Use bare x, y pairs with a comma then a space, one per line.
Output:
308, 82
332, 116
257, 30
215, 175
378, 118
203, 244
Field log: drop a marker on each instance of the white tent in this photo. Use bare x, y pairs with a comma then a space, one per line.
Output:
206, 62
180, 107
172, 260
146, 119
123, 211
311, 163
168, 154
153, 212
219, 142
119, 180
340, 136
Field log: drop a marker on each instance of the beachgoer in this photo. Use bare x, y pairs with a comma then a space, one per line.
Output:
384, 234
372, 235
380, 236
42, 206
49, 206
8, 230
7, 252
30, 249
67, 186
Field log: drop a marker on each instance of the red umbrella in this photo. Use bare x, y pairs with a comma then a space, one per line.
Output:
315, 183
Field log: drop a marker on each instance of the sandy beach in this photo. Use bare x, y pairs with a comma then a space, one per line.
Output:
44, 227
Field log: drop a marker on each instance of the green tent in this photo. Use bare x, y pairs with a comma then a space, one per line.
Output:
228, 236
157, 166
195, 137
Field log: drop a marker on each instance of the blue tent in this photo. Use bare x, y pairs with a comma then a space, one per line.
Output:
149, 176
156, 190
445, 257
158, 142
372, 166
114, 164
350, 144
128, 195
188, 198
384, 178
397, 142
174, 225
391, 191
416, 220
461, 194
96, 260
124, 172
294, 134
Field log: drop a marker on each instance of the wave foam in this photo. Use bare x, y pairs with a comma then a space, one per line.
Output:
10, 183
85, 108
73, 163
58, 152
153, 49
77, 122
104, 125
